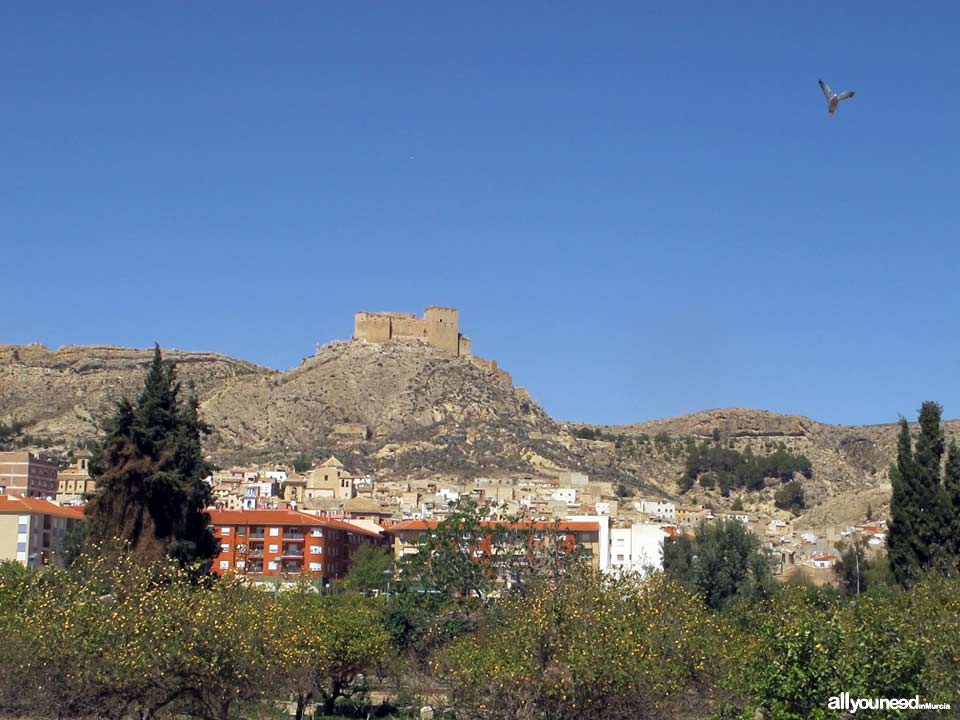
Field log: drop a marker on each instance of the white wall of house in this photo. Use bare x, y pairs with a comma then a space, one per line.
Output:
637, 548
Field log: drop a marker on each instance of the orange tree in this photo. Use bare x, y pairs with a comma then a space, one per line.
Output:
325, 646
583, 645
802, 647
118, 638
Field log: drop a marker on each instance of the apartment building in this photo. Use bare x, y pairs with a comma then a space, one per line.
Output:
265, 544
558, 538
32, 530
26, 473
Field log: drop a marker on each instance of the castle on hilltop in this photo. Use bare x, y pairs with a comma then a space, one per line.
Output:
439, 326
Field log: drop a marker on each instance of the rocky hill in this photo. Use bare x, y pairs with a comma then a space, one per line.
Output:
65, 395
850, 463
423, 412
426, 412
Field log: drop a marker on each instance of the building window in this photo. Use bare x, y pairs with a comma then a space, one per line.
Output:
274, 548
272, 565
21, 527
316, 567
241, 564
21, 547
224, 548
225, 531
224, 564
316, 549
274, 532
317, 532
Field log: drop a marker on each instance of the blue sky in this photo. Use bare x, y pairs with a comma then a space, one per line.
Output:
641, 210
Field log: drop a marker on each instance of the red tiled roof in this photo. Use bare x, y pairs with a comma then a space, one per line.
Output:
568, 525
281, 517
21, 504
263, 517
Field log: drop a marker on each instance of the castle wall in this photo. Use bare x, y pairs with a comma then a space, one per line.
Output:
491, 366
372, 327
412, 327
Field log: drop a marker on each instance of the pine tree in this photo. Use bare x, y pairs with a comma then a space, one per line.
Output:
151, 494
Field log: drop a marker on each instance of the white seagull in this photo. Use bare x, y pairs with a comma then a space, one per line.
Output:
833, 100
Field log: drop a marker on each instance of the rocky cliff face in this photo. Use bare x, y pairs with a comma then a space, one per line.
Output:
66, 395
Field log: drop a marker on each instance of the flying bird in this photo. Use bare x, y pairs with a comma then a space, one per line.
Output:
833, 100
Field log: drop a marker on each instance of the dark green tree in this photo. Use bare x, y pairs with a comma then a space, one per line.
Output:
790, 497
922, 516
852, 569
951, 487
151, 495
724, 563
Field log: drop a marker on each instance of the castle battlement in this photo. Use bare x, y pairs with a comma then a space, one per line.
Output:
439, 326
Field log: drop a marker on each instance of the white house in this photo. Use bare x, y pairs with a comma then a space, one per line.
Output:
636, 548
657, 508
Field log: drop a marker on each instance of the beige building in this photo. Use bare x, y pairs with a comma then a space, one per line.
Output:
75, 481
328, 480
32, 531
27, 473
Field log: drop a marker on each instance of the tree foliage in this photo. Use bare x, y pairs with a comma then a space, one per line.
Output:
151, 494
584, 646
728, 468
925, 502
370, 569
724, 563
790, 497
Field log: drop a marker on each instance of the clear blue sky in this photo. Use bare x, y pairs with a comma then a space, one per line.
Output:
640, 210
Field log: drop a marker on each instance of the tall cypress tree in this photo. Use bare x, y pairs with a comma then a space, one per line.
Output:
951, 487
900, 548
921, 533
151, 494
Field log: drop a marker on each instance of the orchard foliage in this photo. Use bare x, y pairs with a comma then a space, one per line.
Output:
803, 646
116, 637
584, 645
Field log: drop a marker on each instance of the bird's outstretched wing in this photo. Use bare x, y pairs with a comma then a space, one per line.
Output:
845, 95
826, 89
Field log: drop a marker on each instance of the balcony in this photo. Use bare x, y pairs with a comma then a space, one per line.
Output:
290, 552
256, 534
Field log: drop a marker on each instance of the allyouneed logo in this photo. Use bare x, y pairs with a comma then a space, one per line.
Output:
843, 701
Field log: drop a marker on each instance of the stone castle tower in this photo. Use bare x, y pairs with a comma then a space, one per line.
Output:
439, 326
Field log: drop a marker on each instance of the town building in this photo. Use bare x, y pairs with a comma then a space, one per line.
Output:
329, 479
74, 482
32, 531
285, 544
636, 548
26, 473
